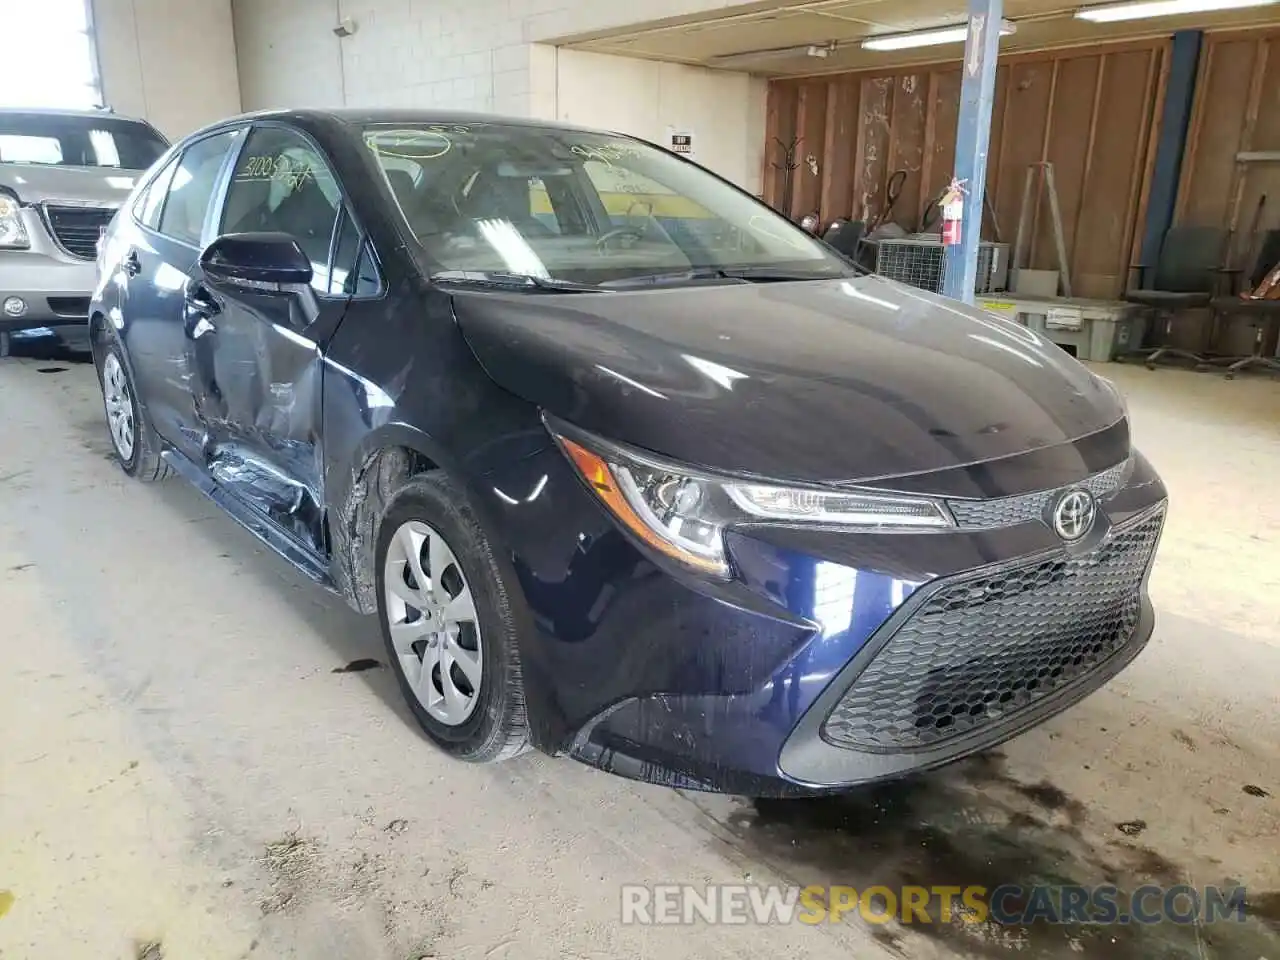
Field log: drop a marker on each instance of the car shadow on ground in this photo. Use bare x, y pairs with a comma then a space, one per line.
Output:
353, 641
52, 349
976, 824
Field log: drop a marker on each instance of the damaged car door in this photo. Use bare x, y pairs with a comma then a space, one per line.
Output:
257, 346
155, 261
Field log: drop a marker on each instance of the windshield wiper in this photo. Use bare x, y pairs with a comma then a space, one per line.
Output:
767, 274
514, 281
761, 274
658, 279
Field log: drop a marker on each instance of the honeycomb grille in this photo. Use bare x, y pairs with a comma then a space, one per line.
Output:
981, 649
1010, 511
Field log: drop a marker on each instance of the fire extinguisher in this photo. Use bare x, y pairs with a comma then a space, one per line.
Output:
952, 204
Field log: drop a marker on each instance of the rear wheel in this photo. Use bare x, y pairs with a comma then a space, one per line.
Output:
449, 624
136, 445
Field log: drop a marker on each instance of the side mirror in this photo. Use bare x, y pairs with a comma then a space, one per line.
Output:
256, 261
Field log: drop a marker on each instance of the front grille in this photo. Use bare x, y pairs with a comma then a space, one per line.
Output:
979, 650
1009, 511
77, 228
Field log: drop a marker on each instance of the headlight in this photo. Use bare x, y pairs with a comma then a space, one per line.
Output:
683, 513
12, 232
855, 509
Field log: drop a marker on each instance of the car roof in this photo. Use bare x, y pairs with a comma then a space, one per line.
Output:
361, 116
58, 112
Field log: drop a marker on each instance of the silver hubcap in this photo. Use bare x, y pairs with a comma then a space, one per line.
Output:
432, 617
115, 393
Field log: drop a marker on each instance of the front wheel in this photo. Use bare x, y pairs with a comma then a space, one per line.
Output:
136, 445
449, 622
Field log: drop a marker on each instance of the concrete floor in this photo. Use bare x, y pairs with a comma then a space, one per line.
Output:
182, 766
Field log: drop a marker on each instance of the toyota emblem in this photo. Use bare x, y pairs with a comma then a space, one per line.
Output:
1073, 514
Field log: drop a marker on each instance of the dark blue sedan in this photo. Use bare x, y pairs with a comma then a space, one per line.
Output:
629, 467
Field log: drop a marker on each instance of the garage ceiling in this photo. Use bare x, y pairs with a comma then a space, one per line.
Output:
769, 38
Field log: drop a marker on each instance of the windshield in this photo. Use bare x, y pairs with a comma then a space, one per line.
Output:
69, 141
585, 208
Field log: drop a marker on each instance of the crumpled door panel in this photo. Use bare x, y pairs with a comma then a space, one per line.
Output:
256, 389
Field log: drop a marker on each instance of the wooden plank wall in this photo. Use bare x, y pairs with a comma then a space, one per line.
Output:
1091, 112
1237, 109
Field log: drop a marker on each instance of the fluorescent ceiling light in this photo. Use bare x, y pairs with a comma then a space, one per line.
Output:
930, 38
1114, 12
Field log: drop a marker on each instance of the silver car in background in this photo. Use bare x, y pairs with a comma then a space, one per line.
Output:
63, 175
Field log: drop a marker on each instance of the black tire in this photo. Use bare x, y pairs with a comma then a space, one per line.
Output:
145, 463
496, 729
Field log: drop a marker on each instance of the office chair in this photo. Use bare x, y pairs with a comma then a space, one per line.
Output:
1186, 274
846, 238
1260, 302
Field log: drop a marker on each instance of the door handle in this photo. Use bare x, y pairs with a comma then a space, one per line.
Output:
132, 265
199, 300
200, 308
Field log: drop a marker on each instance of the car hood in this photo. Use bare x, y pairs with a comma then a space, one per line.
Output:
853, 380
37, 183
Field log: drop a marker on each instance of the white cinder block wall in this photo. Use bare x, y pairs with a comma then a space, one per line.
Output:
724, 110
486, 55
170, 61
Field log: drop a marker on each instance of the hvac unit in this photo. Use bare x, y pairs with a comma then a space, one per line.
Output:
918, 261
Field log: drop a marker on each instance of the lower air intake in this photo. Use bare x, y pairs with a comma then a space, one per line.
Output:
979, 650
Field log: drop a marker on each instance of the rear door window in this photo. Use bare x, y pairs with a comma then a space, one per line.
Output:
151, 201
352, 274
187, 199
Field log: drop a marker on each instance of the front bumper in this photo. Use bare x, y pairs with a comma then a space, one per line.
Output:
54, 285
971, 660
655, 674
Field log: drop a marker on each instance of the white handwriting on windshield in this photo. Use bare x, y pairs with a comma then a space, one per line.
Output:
424, 143
605, 153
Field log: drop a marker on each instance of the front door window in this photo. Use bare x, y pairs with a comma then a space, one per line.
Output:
282, 183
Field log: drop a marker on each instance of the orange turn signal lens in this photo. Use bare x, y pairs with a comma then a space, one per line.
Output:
600, 478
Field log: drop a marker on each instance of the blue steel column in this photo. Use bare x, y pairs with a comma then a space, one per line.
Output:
973, 135
1180, 91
